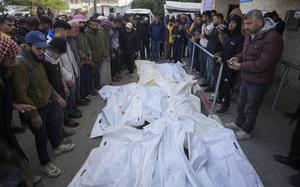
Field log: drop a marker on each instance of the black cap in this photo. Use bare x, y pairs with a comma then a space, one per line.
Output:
62, 24
58, 45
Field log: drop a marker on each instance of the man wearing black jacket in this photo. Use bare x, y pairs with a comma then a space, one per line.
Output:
233, 44
129, 46
145, 38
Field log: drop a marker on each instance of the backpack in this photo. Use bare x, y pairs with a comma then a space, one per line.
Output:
29, 66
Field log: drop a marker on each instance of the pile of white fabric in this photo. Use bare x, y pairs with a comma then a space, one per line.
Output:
155, 135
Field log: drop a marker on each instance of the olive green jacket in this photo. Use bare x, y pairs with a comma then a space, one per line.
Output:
33, 89
96, 41
83, 45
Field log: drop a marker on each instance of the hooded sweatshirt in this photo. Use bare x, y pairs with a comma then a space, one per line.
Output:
260, 55
52, 68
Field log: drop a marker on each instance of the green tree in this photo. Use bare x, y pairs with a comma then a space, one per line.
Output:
156, 6
53, 4
2, 8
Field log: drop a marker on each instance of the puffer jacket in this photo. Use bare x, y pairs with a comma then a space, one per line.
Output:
261, 54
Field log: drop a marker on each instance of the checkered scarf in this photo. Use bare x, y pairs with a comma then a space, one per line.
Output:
8, 48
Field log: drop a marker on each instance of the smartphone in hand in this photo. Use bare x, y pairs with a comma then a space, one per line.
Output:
229, 62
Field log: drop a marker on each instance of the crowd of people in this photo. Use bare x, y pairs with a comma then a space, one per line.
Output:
49, 66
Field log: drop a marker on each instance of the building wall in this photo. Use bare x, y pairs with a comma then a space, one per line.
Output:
222, 5
291, 52
281, 6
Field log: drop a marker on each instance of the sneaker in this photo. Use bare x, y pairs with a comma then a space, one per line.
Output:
219, 102
66, 141
242, 135
51, 170
222, 111
63, 148
86, 99
232, 126
36, 179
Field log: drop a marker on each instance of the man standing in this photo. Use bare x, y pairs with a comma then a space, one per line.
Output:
85, 56
156, 31
96, 43
105, 74
31, 86
233, 45
145, 38
261, 52
129, 47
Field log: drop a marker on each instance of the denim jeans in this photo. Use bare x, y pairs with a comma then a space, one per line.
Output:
202, 61
47, 131
190, 49
155, 49
250, 98
209, 70
71, 100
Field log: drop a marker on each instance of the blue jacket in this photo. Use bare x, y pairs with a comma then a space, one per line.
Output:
157, 31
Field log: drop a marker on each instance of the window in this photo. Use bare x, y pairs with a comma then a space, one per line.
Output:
292, 20
111, 10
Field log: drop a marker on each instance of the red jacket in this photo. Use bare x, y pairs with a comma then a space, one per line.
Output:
260, 57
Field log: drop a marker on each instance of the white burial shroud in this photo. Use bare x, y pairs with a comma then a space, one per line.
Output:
154, 135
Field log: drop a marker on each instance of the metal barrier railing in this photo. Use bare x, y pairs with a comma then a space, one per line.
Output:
286, 69
285, 73
213, 108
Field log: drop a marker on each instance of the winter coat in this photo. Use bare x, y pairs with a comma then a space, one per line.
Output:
30, 88
83, 47
178, 31
214, 45
157, 31
129, 42
144, 30
261, 54
96, 42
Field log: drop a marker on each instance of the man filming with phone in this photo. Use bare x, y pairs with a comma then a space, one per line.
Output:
232, 45
257, 62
